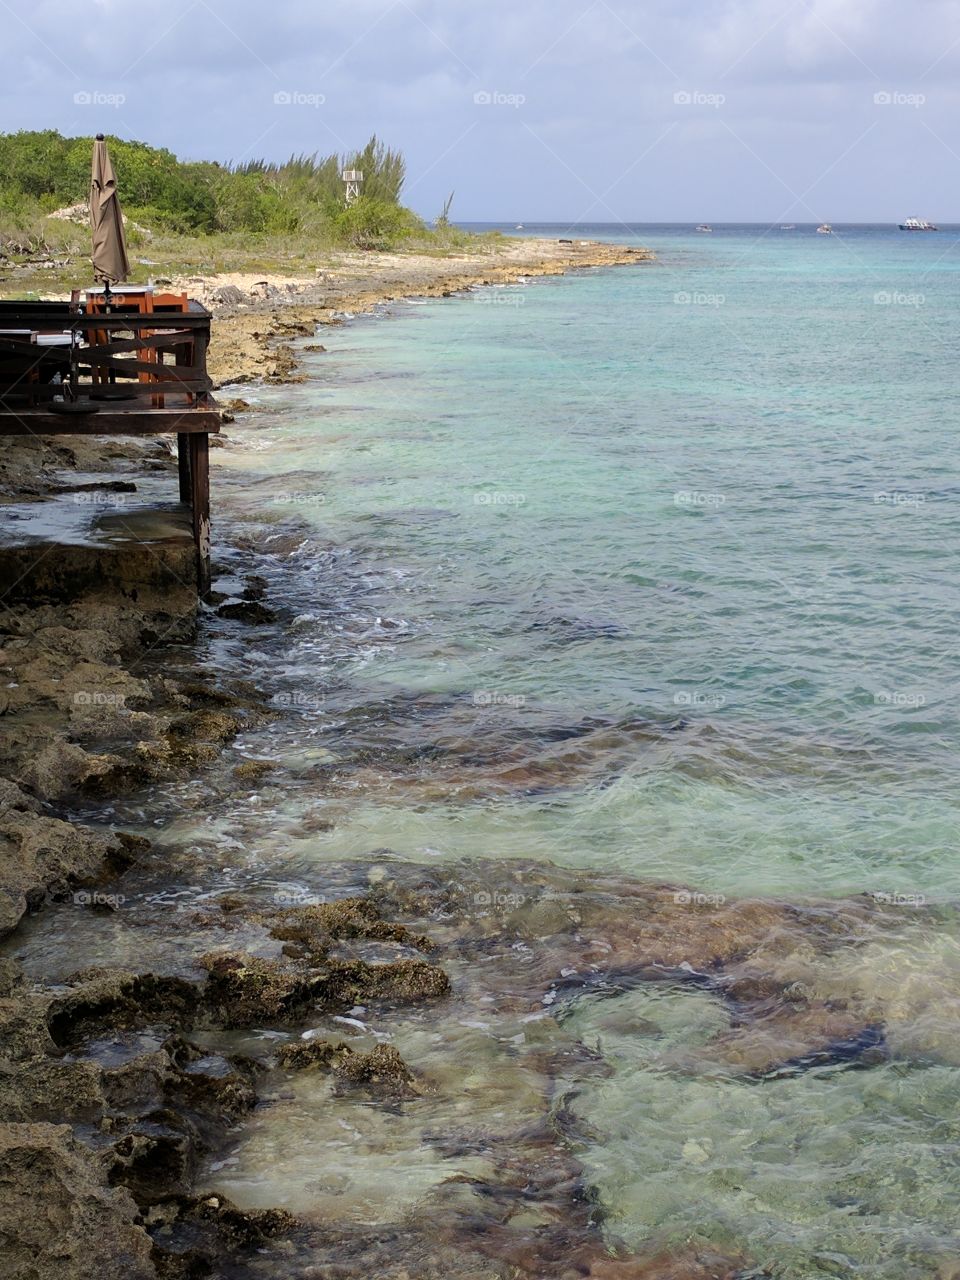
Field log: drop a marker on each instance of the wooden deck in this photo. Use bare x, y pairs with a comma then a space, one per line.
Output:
123, 373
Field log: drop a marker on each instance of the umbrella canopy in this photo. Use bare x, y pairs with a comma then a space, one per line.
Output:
109, 247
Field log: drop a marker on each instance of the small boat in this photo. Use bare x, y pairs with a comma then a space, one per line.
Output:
789, 226
917, 224
824, 229
704, 226
518, 227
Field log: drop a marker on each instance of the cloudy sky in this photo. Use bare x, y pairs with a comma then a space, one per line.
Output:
633, 110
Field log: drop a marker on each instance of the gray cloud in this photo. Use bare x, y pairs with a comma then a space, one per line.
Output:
748, 109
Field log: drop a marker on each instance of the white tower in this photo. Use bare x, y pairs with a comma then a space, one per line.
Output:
353, 179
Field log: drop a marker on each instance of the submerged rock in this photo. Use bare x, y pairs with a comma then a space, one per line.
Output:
249, 611
318, 927
301, 1055
355, 982
244, 991
381, 1072
254, 770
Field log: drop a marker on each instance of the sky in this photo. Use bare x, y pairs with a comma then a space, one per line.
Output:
529, 110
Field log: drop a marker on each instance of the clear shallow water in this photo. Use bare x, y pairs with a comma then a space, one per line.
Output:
583, 498
647, 571
718, 494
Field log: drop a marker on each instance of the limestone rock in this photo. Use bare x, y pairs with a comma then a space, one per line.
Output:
58, 1218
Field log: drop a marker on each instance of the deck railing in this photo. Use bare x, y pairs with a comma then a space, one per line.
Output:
51, 353
121, 371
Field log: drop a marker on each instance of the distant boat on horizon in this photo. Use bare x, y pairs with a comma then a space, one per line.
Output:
704, 226
917, 224
788, 226
824, 229
519, 227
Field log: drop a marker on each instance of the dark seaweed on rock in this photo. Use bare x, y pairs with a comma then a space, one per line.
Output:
865, 1048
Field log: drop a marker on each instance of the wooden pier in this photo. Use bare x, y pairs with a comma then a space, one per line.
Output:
130, 365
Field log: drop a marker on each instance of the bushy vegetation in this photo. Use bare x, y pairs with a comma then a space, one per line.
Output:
304, 197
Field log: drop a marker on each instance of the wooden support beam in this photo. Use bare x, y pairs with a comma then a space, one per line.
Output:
200, 505
26, 421
183, 465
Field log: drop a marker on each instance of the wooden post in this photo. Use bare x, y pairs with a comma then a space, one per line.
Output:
200, 504
183, 465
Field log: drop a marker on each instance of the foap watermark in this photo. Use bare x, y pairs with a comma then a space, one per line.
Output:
297, 700
99, 698
498, 899
298, 898
300, 499
688, 898
98, 98
491, 698
297, 98
897, 98
698, 299
93, 898
697, 98
894, 298
900, 899
698, 698
900, 698
495, 98
697, 498
499, 498
898, 498
100, 499
511, 296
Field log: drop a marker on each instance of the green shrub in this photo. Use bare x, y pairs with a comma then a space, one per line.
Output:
373, 224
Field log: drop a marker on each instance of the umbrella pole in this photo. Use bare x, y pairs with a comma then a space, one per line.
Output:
108, 310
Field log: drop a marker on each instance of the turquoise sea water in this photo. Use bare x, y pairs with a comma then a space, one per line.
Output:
653, 570
647, 571
717, 491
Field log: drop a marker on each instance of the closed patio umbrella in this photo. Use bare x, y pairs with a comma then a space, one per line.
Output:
109, 247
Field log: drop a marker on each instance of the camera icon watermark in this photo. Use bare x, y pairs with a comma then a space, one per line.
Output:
898, 498
98, 98
494, 98
300, 499
99, 698
896, 98
499, 900
894, 298
697, 98
511, 296
696, 698
688, 898
296, 98
696, 498
92, 898
698, 299
297, 701
298, 898
99, 499
498, 498
900, 698
491, 698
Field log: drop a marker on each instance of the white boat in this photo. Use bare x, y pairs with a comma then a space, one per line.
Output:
789, 226
917, 224
704, 226
518, 227
824, 229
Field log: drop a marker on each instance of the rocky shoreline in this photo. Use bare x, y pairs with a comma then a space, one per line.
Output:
89, 1187
120, 1083
256, 317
